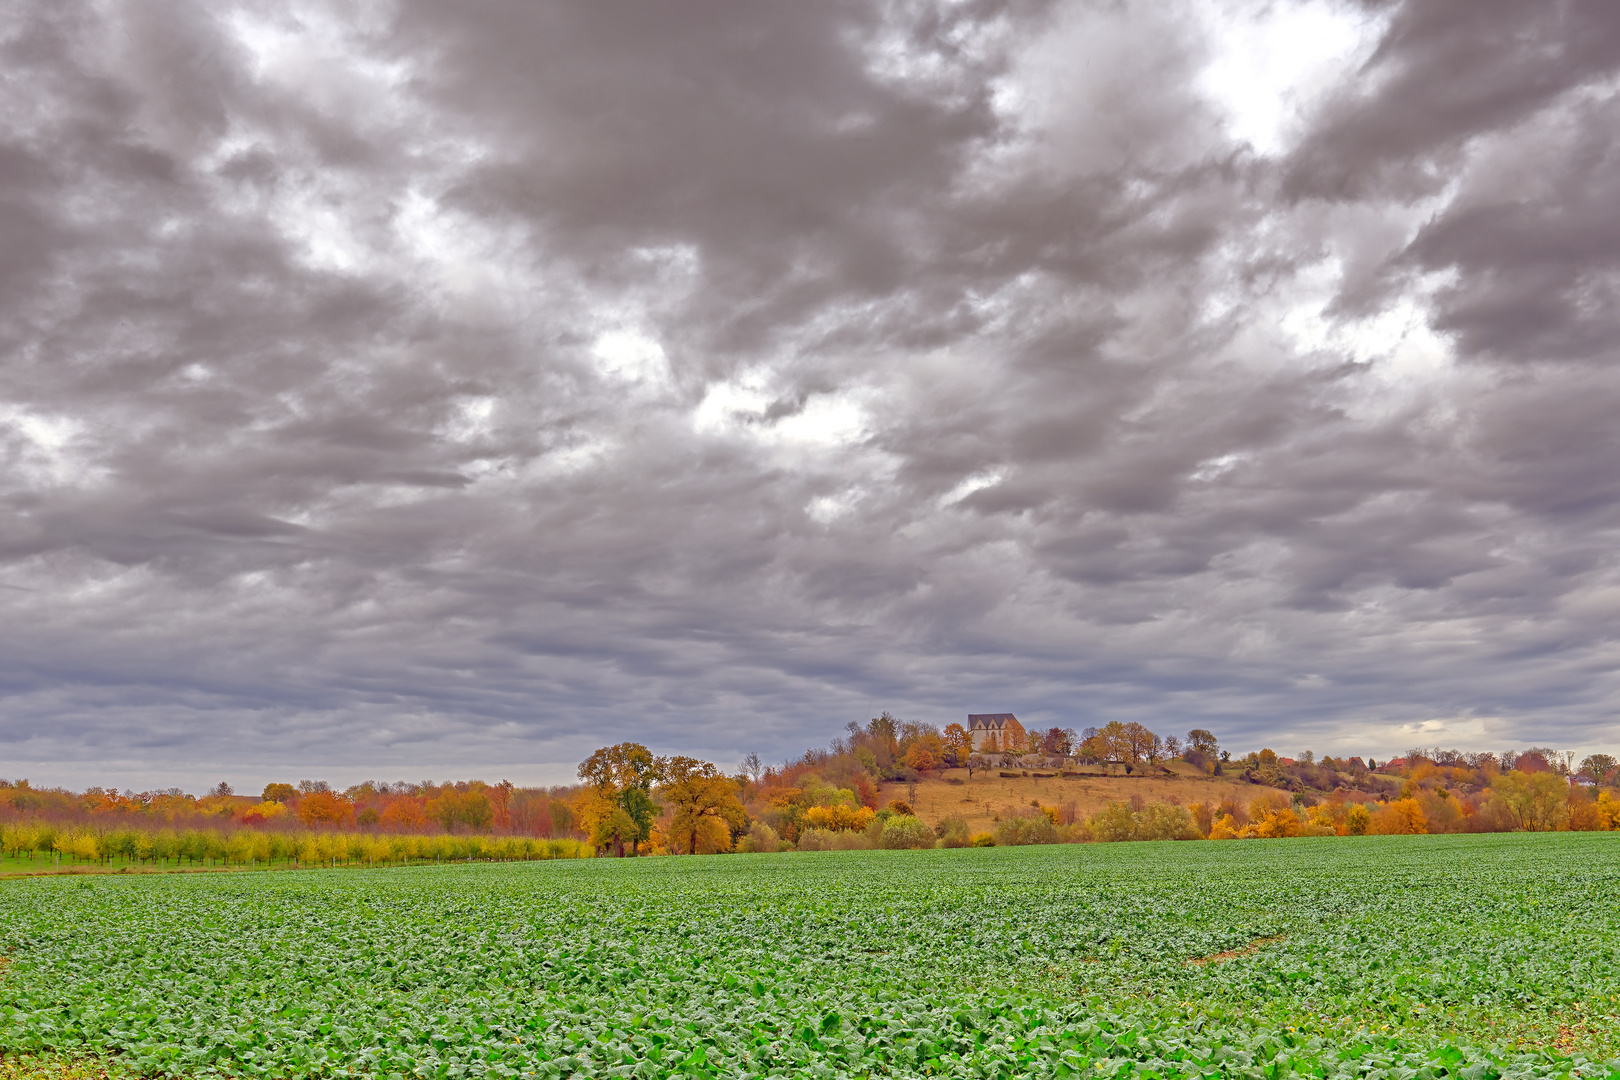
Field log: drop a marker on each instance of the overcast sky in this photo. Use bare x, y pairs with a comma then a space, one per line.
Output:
427, 390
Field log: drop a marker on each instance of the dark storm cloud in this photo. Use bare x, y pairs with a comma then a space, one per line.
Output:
410, 388
1443, 73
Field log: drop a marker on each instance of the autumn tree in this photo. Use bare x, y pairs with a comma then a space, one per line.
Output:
637, 805
324, 808
1599, 766
1116, 743
883, 737
279, 793
1403, 817
587, 808
916, 737
1536, 801
1535, 760
1139, 742
705, 804
403, 813
615, 830
1058, 741
622, 777
500, 802
1274, 817
613, 768
1584, 813
958, 743
529, 812
451, 808
919, 758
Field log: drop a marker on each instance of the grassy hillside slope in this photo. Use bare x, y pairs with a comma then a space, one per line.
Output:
988, 796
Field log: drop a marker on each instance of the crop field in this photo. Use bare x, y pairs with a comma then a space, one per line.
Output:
1405, 957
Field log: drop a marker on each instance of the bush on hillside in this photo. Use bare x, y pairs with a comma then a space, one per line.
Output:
1018, 831
761, 837
1155, 821
905, 831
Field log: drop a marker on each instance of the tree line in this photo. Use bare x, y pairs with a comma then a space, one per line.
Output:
630, 801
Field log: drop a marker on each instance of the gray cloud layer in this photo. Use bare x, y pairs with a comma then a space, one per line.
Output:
420, 388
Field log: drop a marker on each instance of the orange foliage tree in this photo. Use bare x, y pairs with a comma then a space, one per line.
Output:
402, 813
1274, 817
324, 808
1403, 817
919, 758
706, 810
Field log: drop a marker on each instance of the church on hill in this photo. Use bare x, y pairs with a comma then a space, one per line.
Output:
995, 731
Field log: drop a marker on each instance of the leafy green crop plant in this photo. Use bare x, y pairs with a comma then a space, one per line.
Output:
1414, 958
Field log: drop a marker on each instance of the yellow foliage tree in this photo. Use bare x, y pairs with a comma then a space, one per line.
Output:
1537, 802
590, 808
1274, 818
839, 818
708, 836
265, 811
1609, 809
1403, 817
1329, 816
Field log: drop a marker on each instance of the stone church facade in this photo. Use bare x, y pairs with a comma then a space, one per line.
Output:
992, 731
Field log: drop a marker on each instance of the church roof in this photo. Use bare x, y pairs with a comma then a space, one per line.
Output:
990, 720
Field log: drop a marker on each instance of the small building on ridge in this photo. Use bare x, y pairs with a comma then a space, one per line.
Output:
994, 731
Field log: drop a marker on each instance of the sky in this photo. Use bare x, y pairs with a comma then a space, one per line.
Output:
419, 390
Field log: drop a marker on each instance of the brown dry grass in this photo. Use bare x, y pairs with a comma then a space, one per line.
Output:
1232, 954
989, 797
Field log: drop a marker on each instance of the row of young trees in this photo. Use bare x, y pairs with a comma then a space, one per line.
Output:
206, 847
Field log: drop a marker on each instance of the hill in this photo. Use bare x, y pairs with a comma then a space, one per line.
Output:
989, 796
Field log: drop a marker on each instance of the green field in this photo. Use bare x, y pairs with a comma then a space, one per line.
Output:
1469, 956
